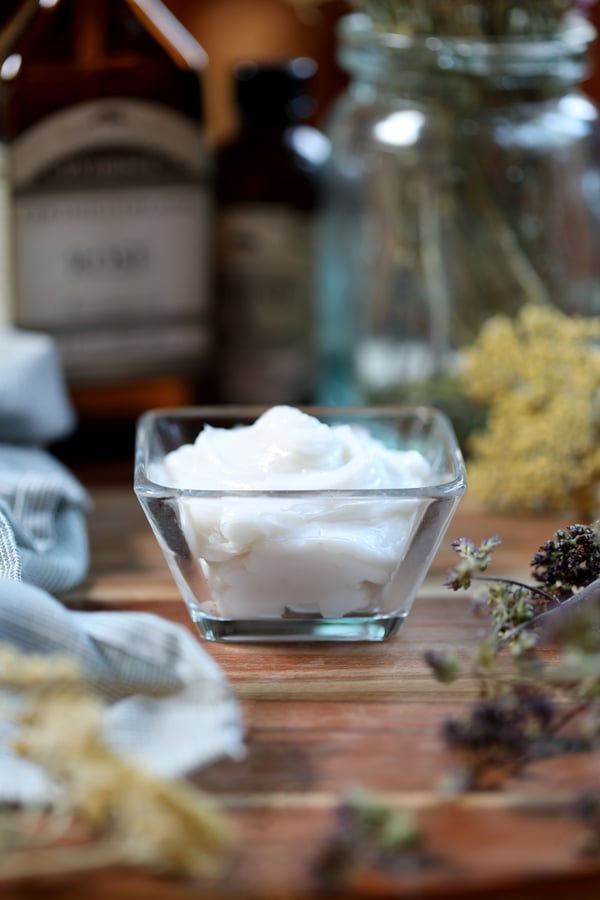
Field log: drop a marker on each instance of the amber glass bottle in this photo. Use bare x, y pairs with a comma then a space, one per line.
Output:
101, 109
267, 190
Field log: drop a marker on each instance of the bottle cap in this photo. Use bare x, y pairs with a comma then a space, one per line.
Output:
272, 92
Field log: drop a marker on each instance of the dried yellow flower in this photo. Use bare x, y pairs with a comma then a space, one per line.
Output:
141, 819
539, 376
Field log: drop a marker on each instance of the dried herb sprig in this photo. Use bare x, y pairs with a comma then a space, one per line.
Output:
511, 603
524, 710
127, 815
571, 560
370, 836
561, 612
496, 736
524, 717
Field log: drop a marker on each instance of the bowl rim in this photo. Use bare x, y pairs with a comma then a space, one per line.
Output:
145, 487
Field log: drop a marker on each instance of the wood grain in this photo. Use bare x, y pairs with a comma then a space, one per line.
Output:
322, 720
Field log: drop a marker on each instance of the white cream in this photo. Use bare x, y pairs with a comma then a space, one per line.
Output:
263, 556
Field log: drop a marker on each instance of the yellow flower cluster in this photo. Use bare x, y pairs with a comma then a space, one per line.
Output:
538, 374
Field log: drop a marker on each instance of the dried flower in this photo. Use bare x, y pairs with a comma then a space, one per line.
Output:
472, 559
444, 665
569, 561
370, 835
541, 447
496, 735
517, 710
132, 815
510, 603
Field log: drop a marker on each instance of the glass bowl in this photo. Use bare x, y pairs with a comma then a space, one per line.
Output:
286, 565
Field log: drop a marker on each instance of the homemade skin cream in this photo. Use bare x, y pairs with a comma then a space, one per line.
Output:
264, 555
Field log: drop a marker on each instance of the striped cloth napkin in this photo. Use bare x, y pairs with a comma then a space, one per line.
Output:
168, 704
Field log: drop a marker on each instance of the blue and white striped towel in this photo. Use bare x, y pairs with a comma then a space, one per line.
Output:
168, 704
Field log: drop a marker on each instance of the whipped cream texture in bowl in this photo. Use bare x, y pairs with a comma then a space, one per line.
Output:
298, 524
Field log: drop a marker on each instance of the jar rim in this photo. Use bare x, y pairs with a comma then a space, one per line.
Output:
476, 54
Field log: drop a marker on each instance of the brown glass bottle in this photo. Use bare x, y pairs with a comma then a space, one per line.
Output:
267, 178
101, 109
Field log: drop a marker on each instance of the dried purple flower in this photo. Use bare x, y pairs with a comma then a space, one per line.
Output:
472, 559
571, 560
500, 733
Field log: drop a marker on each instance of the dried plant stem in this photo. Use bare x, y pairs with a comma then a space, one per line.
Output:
520, 584
129, 814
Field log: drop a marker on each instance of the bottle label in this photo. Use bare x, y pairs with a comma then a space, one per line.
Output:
112, 218
265, 270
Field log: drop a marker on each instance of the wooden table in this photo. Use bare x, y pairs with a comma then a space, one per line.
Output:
325, 719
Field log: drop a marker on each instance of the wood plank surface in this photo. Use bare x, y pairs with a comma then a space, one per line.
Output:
322, 720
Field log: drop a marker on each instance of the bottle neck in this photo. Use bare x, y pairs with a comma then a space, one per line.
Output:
463, 69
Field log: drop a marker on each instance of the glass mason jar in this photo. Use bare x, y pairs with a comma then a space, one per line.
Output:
463, 181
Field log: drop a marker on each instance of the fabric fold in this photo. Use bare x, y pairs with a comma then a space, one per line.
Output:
168, 705
43, 512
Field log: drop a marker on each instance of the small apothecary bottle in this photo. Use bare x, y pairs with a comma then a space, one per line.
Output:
267, 192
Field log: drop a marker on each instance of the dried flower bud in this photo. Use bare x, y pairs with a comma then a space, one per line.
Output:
445, 666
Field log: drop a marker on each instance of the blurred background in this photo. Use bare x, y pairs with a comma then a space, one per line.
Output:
234, 30
231, 30
265, 30
260, 194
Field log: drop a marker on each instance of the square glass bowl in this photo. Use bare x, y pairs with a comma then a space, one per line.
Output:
292, 565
